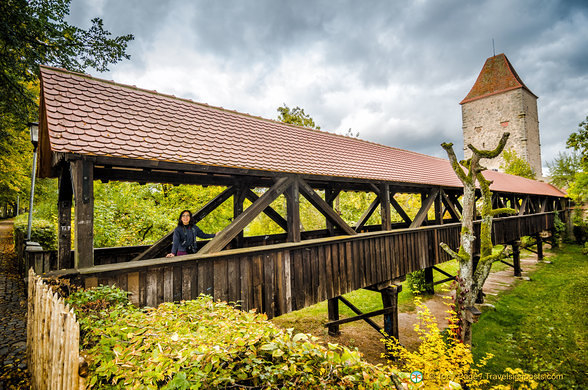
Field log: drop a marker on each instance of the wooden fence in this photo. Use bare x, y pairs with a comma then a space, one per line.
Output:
53, 356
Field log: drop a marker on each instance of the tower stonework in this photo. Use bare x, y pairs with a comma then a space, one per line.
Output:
499, 102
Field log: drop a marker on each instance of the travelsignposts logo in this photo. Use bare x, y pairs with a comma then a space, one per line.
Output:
416, 377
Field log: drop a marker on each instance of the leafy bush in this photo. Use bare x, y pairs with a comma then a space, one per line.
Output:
42, 231
416, 282
202, 344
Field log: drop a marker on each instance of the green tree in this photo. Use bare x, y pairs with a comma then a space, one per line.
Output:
578, 141
34, 32
296, 116
516, 165
563, 169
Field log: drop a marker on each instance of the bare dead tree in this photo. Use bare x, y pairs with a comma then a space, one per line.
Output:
472, 276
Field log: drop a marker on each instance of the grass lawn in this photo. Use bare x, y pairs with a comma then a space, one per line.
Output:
541, 325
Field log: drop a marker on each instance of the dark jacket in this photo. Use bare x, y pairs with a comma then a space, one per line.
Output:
185, 236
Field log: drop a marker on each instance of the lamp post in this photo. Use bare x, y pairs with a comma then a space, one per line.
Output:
34, 129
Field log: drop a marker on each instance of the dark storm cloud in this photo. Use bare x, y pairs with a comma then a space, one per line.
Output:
393, 70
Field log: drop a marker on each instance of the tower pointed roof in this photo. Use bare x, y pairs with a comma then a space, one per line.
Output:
497, 76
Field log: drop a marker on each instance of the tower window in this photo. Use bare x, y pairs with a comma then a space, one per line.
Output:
504, 123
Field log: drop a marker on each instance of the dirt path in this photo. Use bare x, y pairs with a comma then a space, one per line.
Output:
13, 311
359, 334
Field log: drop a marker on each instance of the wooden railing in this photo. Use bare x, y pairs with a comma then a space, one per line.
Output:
53, 357
277, 279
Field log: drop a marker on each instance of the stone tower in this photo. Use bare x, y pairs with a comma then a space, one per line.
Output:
498, 102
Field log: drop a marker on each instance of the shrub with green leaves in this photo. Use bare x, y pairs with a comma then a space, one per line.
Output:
42, 231
202, 344
416, 282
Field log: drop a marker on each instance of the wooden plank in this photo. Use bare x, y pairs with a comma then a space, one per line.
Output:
221, 287
306, 286
363, 263
288, 280
187, 274
160, 285
334, 251
168, 284
234, 279
133, 287
329, 277
322, 279
280, 307
297, 280
258, 283
151, 288
269, 303
176, 283
323, 207
342, 267
315, 274
349, 265
357, 261
239, 223
246, 283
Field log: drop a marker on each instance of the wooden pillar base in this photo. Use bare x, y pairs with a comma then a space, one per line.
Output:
539, 241
516, 257
390, 300
333, 306
430, 287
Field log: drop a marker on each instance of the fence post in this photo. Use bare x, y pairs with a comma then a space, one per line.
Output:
33, 257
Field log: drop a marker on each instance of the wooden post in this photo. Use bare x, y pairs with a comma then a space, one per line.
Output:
333, 306
238, 199
430, 287
330, 196
293, 212
83, 183
390, 299
439, 209
516, 257
385, 207
539, 241
64, 212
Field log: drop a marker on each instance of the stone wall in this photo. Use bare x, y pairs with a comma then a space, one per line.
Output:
486, 119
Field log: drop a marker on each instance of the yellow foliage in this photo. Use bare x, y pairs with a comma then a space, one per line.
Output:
444, 361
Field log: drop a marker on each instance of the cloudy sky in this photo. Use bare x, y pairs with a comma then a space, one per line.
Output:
394, 71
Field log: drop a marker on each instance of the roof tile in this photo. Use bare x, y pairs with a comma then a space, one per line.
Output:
99, 117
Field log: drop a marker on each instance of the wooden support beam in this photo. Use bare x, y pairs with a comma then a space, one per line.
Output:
157, 248
426, 205
362, 316
238, 200
239, 223
367, 214
269, 211
451, 207
523, 207
83, 188
385, 211
359, 313
293, 211
64, 203
438, 209
330, 196
400, 210
323, 207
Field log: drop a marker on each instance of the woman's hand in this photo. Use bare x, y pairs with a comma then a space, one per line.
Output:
170, 255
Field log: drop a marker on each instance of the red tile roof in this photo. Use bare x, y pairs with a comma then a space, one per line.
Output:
91, 116
497, 75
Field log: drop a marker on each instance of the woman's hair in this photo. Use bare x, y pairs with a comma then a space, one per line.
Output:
180, 223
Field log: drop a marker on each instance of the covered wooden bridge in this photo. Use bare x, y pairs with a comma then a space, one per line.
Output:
92, 129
